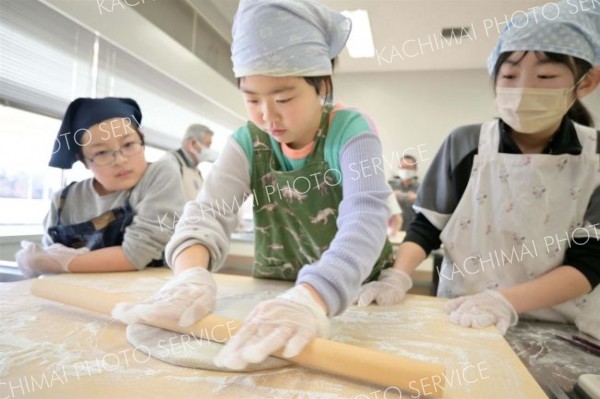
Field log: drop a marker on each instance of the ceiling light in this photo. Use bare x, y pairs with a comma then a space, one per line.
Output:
360, 43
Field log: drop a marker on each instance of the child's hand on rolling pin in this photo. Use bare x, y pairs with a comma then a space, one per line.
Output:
186, 298
389, 289
481, 310
34, 260
289, 321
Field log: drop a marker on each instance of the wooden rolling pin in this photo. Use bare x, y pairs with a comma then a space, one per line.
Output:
350, 361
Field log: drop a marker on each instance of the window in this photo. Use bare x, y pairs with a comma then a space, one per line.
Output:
47, 60
26, 182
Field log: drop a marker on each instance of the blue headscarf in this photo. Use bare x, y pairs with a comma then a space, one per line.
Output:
83, 113
566, 27
286, 38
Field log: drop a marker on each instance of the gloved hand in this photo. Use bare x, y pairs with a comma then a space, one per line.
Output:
34, 260
389, 289
186, 298
481, 310
289, 321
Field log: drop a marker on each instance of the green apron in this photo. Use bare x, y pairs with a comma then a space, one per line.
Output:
295, 212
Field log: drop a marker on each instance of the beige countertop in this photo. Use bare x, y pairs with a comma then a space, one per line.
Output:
50, 350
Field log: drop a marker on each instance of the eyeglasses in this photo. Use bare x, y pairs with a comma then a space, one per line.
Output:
102, 158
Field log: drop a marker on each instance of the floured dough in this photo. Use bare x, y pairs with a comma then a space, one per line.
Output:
185, 350
191, 351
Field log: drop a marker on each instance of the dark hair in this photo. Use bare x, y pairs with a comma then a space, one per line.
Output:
578, 67
81, 158
317, 82
411, 158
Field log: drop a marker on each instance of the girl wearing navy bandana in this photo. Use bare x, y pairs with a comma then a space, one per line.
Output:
122, 218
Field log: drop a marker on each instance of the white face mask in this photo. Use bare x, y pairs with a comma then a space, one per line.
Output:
531, 111
206, 154
406, 174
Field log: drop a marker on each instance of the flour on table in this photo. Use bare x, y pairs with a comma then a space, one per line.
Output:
185, 350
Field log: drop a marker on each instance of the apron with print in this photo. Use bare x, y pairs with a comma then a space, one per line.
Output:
517, 218
295, 212
102, 231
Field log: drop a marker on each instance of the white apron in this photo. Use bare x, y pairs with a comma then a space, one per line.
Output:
517, 218
192, 182
191, 177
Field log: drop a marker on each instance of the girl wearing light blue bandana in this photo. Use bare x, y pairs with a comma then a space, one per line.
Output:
320, 218
516, 201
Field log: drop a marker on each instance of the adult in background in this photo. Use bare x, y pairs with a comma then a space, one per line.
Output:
195, 148
405, 188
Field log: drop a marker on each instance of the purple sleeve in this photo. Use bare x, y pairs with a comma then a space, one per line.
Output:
361, 222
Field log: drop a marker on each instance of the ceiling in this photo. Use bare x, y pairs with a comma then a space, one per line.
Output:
407, 33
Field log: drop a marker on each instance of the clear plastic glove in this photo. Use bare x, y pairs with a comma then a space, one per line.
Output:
389, 289
34, 260
481, 310
289, 321
186, 298
588, 320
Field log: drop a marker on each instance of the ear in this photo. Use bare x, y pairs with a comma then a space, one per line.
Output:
590, 83
81, 159
322, 91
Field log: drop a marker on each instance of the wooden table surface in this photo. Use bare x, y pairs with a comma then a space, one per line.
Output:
50, 350
556, 364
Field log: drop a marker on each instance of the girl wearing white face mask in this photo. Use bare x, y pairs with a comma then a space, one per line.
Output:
519, 212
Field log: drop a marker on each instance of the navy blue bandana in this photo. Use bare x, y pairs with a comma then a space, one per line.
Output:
83, 113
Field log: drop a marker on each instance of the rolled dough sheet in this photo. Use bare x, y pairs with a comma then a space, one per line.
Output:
186, 350
195, 352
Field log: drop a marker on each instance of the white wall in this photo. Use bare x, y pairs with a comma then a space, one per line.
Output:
419, 109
